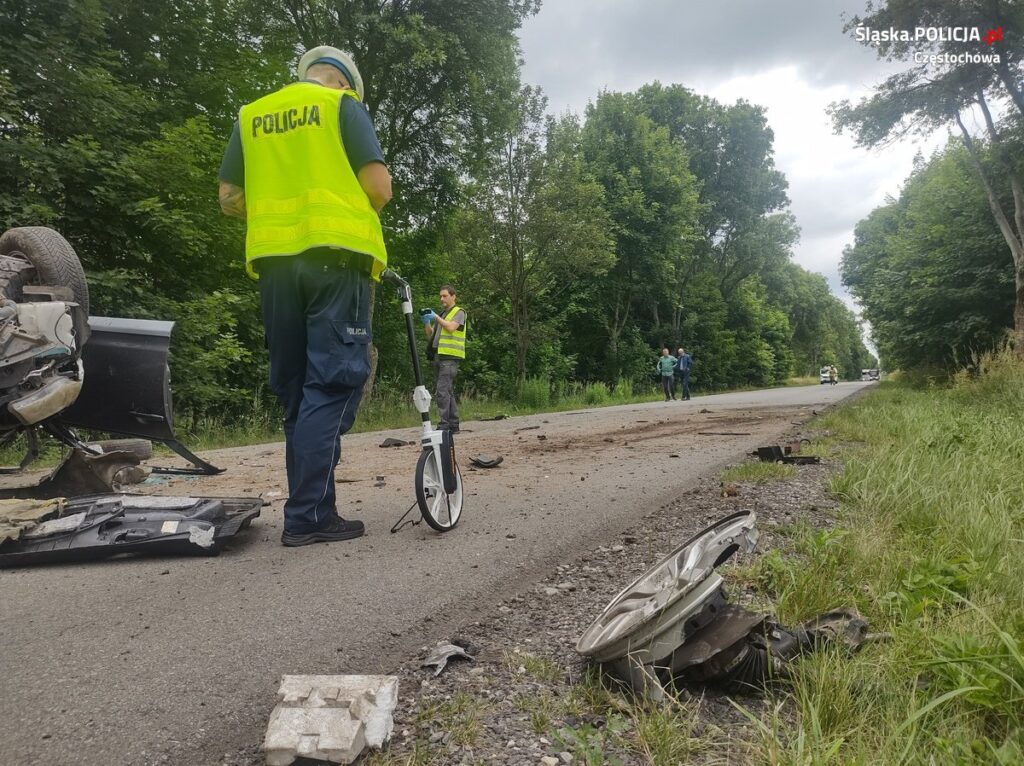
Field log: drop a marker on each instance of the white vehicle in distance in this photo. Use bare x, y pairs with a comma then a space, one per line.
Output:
872, 374
823, 376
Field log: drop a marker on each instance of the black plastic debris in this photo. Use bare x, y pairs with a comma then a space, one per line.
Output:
776, 454
742, 650
486, 461
391, 442
101, 526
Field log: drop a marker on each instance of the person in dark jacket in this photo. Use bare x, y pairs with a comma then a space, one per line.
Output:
684, 362
666, 368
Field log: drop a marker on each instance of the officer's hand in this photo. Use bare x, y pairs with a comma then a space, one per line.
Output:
428, 317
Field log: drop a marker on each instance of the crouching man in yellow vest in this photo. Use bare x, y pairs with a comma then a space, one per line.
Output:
305, 170
447, 334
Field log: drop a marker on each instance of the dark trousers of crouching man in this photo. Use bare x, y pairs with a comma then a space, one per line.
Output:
445, 370
316, 317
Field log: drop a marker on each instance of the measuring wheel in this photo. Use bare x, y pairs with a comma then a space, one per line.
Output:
440, 509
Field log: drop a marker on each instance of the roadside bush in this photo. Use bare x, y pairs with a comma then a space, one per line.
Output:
596, 394
623, 389
535, 392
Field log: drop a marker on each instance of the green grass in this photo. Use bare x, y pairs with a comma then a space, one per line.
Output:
540, 668
386, 410
390, 409
928, 547
666, 732
760, 473
807, 380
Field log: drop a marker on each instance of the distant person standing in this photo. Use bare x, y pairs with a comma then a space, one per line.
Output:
447, 334
833, 374
667, 369
683, 364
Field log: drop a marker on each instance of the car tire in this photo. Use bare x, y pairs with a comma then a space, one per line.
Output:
141, 448
53, 258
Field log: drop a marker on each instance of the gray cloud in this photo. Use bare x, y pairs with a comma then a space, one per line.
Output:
581, 46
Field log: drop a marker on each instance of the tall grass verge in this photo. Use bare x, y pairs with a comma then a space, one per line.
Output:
928, 547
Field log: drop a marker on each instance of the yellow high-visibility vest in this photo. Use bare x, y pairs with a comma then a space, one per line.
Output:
452, 342
300, 190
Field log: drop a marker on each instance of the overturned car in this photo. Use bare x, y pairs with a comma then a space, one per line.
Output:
44, 310
61, 369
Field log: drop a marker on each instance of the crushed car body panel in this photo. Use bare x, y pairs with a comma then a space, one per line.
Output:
643, 620
127, 387
100, 526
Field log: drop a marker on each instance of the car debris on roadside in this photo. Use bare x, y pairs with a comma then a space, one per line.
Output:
101, 526
486, 461
786, 454
330, 718
674, 623
439, 656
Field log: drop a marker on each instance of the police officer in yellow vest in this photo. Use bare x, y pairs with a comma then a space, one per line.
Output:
447, 334
305, 170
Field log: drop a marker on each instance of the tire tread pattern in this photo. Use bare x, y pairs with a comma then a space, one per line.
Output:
55, 261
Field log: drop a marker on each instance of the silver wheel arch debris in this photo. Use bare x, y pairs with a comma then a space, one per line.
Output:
646, 621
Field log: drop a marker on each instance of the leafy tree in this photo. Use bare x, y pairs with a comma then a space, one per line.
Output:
652, 198
742, 195
930, 95
929, 269
534, 222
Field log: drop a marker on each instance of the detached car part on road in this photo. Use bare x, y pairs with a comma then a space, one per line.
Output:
675, 622
101, 526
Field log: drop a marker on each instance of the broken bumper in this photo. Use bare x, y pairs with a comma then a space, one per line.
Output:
101, 526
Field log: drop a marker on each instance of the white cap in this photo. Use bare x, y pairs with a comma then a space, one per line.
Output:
325, 54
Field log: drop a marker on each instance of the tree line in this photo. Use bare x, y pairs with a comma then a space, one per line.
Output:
940, 269
579, 244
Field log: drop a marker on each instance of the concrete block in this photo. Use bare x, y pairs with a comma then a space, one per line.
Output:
331, 718
324, 734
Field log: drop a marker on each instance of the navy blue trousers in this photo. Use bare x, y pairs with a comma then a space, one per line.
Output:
316, 318
684, 377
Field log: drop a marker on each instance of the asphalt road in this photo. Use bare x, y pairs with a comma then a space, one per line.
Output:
177, 660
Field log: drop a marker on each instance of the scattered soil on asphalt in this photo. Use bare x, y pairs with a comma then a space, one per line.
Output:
519, 701
201, 643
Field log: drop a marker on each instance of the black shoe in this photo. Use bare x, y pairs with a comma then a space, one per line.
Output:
336, 529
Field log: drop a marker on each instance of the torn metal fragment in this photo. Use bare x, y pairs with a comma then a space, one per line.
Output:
440, 654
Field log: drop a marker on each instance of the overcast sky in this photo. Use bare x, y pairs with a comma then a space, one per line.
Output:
790, 56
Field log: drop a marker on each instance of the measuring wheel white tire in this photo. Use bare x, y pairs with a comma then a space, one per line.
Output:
440, 510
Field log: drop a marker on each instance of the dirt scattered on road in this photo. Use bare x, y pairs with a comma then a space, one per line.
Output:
528, 696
